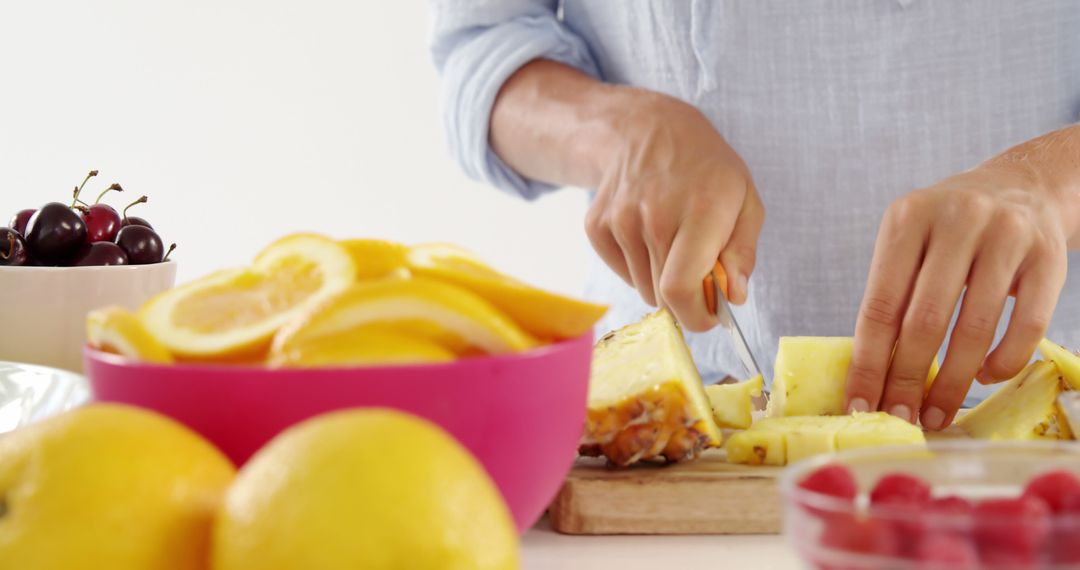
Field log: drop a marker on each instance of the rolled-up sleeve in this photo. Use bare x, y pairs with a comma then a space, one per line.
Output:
477, 45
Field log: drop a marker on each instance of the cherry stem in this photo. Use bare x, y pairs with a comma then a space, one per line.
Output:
167, 253
141, 200
77, 200
78, 189
6, 255
82, 208
114, 186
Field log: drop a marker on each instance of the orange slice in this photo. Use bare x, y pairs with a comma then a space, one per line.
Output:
376, 258
543, 314
362, 346
425, 309
117, 330
236, 312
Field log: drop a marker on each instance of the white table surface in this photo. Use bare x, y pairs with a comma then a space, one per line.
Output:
544, 549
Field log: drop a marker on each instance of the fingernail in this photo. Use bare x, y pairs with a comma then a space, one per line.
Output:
933, 418
901, 411
983, 377
742, 283
859, 405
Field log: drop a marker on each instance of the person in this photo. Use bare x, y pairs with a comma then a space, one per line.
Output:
948, 128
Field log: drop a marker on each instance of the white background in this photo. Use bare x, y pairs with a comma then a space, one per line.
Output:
246, 120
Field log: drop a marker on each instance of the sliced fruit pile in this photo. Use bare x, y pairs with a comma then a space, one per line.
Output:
646, 402
112, 486
309, 301
81, 234
905, 520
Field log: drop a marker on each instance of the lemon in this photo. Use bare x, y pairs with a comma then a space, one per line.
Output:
373, 489
377, 258
117, 330
235, 312
420, 308
543, 314
108, 486
362, 346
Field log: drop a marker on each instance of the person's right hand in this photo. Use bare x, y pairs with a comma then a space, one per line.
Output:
673, 195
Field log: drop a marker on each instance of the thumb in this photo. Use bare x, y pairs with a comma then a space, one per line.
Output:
740, 253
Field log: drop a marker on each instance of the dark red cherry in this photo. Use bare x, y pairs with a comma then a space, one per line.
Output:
102, 223
142, 245
101, 253
55, 233
18, 221
12, 248
135, 221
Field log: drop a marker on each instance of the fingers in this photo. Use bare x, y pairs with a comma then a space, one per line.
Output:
604, 243
693, 254
991, 276
740, 253
627, 232
1036, 296
897, 255
937, 290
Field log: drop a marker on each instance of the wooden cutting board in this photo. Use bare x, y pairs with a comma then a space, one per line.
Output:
707, 496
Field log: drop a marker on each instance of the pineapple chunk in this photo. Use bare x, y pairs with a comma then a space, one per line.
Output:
1068, 364
757, 447
646, 399
777, 441
733, 404
811, 375
1024, 408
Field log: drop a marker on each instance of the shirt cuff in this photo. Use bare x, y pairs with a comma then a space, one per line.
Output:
473, 75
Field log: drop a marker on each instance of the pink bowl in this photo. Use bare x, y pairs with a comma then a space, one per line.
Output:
521, 415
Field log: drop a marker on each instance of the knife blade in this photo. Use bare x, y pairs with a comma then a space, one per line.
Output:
1070, 404
715, 288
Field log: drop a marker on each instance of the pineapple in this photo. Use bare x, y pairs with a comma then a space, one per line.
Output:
733, 404
1024, 408
811, 375
646, 399
778, 441
1068, 364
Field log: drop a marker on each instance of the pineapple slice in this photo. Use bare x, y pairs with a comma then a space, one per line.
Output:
733, 404
646, 399
778, 441
811, 375
1067, 362
1024, 408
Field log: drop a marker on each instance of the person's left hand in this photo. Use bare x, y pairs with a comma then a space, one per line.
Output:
995, 230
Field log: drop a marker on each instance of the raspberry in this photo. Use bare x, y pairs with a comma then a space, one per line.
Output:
900, 489
1053, 488
1070, 505
860, 536
938, 551
1014, 530
833, 480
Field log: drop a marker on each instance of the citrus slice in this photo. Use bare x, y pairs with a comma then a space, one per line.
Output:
362, 346
376, 258
543, 314
426, 309
117, 330
238, 311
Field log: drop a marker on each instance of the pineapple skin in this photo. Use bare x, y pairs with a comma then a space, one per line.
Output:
733, 404
646, 398
810, 376
1024, 408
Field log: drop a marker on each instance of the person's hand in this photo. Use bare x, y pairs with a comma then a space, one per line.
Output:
996, 230
673, 196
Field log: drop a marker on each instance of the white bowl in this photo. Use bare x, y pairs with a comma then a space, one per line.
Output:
43, 309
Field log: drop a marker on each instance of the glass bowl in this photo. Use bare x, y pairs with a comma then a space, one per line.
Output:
29, 393
834, 534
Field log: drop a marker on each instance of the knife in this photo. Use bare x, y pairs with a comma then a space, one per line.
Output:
715, 288
1070, 404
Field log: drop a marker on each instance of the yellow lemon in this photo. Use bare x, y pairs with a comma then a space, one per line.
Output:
362, 346
373, 489
376, 258
235, 312
422, 308
543, 314
117, 330
108, 486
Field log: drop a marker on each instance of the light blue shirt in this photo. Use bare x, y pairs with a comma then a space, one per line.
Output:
838, 108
